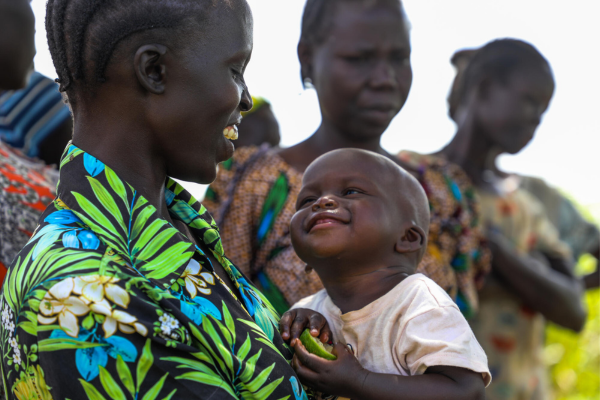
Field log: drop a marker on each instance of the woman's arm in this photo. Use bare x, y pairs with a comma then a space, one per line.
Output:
347, 378
554, 292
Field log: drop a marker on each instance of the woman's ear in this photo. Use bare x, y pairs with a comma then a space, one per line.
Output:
150, 68
305, 58
413, 240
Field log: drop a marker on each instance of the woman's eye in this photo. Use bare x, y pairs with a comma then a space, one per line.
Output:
236, 73
356, 59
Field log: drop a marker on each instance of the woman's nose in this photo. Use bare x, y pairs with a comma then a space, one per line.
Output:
325, 202
246, 102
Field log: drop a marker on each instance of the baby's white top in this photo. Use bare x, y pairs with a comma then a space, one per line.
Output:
414, 326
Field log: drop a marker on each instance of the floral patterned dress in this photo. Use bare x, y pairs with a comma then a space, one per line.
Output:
511, 334
109, 301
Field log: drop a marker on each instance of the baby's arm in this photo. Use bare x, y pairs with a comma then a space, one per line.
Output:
347, 378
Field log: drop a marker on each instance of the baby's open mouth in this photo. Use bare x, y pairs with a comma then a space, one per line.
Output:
324, 221
231, 132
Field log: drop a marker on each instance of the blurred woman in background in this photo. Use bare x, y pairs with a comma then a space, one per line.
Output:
501, 97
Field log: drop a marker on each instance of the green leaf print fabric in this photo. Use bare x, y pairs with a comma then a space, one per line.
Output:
109, 301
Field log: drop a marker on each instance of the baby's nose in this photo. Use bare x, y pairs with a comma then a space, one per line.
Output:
325, 202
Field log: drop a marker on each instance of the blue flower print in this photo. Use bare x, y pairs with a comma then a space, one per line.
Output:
299, 393
88, 359
198, 307
92, 165
62, 217
64, 221
87, 239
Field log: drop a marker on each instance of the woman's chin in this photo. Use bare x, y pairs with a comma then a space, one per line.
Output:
226, 150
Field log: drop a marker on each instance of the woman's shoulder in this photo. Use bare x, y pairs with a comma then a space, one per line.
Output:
440, 178
417, 161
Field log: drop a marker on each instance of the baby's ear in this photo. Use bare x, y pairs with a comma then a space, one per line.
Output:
413, 240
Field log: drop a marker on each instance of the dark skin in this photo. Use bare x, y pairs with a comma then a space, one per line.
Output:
349, 228
501, 118
53, 146
17, 46
165, 105
259, 127
362, 75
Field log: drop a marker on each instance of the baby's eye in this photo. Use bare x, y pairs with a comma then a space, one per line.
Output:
306, 201
351, 191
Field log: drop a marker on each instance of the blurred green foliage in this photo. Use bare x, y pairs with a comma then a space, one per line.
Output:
574, 359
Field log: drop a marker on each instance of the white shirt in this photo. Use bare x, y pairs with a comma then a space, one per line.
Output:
414, 326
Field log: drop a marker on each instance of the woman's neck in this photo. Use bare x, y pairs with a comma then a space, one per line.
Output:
470, 150
330, 137
327, 137
120, 146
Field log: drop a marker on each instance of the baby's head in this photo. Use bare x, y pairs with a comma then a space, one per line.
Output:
361, 211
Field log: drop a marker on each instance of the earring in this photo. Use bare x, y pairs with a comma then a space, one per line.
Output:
308, 84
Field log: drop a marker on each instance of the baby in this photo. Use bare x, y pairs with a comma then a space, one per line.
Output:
362, 223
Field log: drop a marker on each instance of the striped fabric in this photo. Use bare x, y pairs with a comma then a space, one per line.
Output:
30, 115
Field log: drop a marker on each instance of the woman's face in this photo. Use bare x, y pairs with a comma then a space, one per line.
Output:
205, 93
362, 71
509, 113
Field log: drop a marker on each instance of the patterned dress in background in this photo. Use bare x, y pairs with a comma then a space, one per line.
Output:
511, 334
254, 196
26, 188
110, 301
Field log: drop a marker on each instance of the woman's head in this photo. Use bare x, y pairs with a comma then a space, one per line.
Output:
356, 53
17, 46
506, 87
170, 69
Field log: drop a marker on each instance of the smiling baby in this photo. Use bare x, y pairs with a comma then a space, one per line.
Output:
361, 223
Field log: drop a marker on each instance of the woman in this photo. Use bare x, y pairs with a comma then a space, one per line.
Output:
357, 57
124, 291
505, 90
26, 186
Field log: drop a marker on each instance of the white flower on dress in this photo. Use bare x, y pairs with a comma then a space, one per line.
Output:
59, 304
13, 343
7, 316
92, 293
197, 281
17, 356
168, 325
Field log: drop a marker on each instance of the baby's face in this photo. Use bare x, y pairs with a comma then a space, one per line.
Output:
343, 209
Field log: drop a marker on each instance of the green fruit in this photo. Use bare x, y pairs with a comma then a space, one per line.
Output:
316, 347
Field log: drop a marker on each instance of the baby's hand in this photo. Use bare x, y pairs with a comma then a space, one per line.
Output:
338, 377
295, 321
